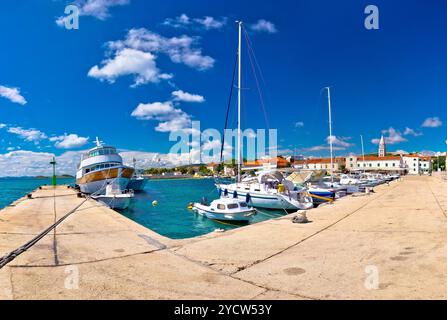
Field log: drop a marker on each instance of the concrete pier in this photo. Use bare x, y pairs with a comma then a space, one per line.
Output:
389, 244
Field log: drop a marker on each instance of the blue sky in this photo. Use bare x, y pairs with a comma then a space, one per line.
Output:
389, 79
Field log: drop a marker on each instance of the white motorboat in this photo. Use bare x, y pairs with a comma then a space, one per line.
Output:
114, 197
100, 166
270, 190
226, 209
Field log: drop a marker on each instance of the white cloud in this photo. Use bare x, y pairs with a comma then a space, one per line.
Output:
31, 135
178, 22
182, 49
180, 95
338, 144
432, 122
95, 8
211, 23
69, 141
207, 22
321, 148
392, 136
409, 131
2, 125
137, 54
263, 26
431, 153
339, 141
30, 163
12, 94
299, 124
169, 117
129, 62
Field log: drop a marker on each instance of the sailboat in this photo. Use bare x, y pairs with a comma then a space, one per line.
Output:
269, 189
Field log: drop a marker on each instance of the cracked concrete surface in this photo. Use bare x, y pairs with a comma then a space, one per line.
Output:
400, 231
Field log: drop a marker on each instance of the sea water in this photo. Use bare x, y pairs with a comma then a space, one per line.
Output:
12, 189
170, 217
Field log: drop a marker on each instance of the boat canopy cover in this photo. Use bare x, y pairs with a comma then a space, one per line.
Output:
270, 175
299, 177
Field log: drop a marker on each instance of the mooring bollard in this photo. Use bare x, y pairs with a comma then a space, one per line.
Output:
79, 194
29, 195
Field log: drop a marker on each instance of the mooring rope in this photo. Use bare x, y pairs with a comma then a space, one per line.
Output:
14, 254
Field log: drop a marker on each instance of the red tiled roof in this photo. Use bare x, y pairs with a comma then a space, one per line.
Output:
319, 160
376, 158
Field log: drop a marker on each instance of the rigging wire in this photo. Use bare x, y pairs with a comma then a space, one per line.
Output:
261, 99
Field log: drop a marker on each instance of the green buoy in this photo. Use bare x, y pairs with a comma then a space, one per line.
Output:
53, 163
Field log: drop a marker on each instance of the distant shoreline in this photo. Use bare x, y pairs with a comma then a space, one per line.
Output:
39, 177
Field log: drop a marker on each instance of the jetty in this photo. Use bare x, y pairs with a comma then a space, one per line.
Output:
388, 244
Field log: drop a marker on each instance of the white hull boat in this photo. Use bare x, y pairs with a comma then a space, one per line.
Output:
226, 209
270, 191
101, 166
114, 198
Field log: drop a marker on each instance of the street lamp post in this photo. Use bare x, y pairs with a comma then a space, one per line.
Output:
53, 163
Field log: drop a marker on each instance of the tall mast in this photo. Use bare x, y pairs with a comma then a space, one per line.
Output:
363, 153
330, 133
239, 103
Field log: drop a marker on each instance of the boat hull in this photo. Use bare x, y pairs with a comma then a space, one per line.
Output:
245, 216
136, 184
118, 202
95, 182
322, 196
267, 201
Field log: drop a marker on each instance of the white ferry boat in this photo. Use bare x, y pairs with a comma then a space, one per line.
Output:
100, 166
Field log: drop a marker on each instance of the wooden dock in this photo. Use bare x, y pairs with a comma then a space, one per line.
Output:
390, 244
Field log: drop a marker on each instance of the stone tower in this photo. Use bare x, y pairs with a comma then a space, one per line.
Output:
382, 147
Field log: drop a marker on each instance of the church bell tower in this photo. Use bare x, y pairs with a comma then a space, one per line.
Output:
382, 147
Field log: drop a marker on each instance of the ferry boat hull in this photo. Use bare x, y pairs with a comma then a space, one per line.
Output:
95, 182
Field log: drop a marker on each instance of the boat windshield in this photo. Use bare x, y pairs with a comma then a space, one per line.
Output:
232, 206
100, 152
243, 204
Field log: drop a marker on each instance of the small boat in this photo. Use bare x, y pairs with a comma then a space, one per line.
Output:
136, 182
114, 198
226, 209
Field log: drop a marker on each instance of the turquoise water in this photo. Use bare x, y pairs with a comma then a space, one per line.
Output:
12, 189
170, 218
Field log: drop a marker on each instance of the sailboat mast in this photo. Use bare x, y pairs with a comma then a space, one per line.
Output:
330, 133
239, 76
363, 152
